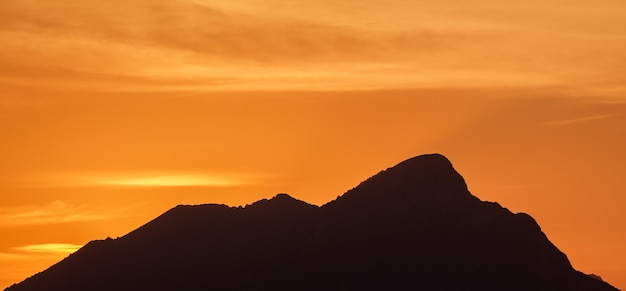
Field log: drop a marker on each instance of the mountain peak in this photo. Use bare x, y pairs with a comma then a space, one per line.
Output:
429, 160
427, 166
432, 172
426, 181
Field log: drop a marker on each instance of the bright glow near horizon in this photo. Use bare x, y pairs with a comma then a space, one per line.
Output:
174, 181
50, 248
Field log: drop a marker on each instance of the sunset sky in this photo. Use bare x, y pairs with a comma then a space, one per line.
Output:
112, 112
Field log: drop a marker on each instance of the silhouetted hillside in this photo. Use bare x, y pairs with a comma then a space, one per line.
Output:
414, 226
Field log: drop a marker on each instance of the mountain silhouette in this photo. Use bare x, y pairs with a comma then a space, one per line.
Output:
414, 226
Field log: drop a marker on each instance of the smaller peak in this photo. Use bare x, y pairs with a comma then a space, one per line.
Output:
281, 200
283, 196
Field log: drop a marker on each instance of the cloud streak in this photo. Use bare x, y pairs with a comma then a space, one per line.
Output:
55, 212
580, 120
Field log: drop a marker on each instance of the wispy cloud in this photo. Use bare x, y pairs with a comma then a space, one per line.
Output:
579, 120
200, 45
55, 212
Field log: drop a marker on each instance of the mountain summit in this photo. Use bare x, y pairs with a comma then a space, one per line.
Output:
414, 226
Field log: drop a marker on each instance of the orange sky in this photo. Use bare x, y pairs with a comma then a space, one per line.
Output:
112, 112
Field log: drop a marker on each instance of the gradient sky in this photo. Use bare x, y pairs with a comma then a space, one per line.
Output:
112, 112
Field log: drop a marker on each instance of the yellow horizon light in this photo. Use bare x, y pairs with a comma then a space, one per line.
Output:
50, 248
174, 181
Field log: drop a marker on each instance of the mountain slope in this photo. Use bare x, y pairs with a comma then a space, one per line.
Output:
414, 226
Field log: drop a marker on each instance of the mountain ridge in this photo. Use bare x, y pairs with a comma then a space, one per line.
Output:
411, 226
